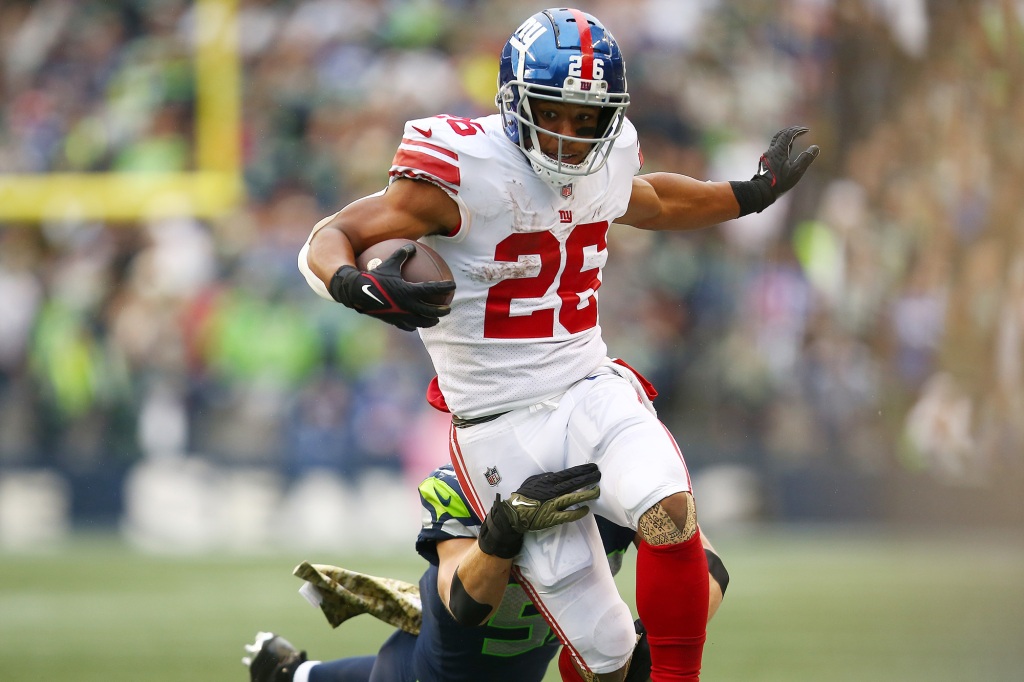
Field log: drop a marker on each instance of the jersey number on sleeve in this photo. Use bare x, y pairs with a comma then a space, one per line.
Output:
577, 288
463, 126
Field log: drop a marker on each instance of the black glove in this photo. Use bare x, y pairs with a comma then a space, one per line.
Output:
540, 502
385, 295
776, 173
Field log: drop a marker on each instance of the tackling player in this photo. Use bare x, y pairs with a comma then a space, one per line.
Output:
513, 644
519, 205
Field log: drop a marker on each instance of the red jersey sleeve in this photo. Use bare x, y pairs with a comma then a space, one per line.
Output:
424, 155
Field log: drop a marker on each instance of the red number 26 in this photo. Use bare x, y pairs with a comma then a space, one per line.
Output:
577, 288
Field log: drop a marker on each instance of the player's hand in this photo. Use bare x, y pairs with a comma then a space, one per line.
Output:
383, 293
542, 501
776, 170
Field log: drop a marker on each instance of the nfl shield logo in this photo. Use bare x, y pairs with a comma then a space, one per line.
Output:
492, 476
566, 191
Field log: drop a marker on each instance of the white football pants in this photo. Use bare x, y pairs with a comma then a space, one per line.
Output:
601, 419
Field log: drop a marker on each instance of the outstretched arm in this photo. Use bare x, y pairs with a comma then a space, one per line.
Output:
669, 201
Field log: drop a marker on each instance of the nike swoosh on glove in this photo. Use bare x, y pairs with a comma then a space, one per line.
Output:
384, 294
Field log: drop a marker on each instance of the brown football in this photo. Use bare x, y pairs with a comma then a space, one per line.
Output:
426, 265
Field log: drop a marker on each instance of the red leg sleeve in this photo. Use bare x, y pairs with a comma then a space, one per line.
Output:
672, 601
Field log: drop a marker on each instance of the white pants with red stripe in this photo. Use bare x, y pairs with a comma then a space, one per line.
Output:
602, 420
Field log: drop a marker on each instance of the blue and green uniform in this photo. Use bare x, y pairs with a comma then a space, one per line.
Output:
515, 645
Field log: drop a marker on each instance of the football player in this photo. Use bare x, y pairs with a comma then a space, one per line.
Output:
519, 204
514, 643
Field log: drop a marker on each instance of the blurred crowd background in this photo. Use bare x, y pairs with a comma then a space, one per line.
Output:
854, 353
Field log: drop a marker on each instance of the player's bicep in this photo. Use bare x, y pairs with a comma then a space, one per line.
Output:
408, 209
644, 203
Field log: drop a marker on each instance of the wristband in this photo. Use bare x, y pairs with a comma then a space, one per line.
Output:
753, 196
497, 536
339, 284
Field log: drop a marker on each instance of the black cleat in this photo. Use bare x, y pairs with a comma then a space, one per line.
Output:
272, 658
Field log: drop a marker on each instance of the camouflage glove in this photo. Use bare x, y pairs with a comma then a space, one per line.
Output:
541, 502
776, 172
344, 594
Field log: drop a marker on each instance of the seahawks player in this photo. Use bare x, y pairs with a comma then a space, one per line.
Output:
513, 642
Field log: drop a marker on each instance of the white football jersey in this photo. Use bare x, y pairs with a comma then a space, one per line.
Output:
527, 262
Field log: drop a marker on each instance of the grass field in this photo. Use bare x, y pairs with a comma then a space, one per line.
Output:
810, 604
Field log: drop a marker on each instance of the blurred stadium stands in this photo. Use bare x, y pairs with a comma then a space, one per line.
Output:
856, 353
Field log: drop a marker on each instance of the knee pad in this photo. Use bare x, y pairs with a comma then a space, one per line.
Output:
657, 527
610, 642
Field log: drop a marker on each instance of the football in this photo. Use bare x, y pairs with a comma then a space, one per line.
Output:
426, 265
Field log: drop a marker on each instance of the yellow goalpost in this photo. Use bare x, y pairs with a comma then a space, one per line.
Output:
213, 189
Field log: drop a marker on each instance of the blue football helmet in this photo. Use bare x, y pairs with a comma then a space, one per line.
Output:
562, 55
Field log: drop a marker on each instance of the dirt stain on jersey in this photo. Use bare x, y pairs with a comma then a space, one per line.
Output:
526, 266
525, 218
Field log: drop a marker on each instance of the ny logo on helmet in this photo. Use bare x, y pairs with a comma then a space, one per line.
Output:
524, 37
528, 33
